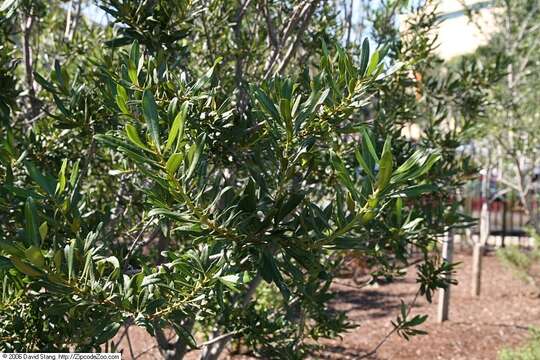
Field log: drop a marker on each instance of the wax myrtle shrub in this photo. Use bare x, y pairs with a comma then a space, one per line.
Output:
207, 172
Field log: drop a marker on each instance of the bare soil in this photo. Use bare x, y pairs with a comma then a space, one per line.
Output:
478, 328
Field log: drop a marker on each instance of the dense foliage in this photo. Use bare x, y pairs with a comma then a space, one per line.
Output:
205, 166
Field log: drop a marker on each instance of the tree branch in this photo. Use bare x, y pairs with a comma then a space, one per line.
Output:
27, 25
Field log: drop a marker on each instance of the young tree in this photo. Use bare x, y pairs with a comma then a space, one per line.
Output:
513, 114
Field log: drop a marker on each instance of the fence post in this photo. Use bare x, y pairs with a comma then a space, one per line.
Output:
478, 251
444, 294
504, 223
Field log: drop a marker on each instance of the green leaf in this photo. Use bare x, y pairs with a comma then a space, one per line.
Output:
416, 190
267, 104
205, 79
31, 226
58, 74
292, 202
44, 83
132, 63
270, 273
133, 135
113, 260
185, 335
364, 59
417, 165
117, 42
230, 281
108, 332
373, 62
151, 279
5, 263
33, 253
44, 181
12, 249
385, 166
69, 251
150, 114
248, 202
25, 268
57, 259
173, 163
343, 174
74, 174
417, 320
61, 184
6, 4
369, 145
132, 151
43, 230
177, 128
194, 154
362, 162
168, 213
121, 99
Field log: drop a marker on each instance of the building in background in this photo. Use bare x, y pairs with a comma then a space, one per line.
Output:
457, 34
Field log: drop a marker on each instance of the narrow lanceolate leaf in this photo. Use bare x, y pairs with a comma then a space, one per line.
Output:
5, 263
34, 255
362, 162
25, 268
31, 222
133, 136
267, 104
185, 336
150, 113
61, 184
177, 128
69, 251
369, 145
230, 281
121, 99
415, 190
132, 72
43, 230
292, 202
6, 4
48, 184
174, 162
364, 57
74, 174
206, 77
385, 166
195, 154
373, 63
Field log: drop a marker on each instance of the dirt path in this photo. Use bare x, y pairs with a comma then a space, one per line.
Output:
478, 327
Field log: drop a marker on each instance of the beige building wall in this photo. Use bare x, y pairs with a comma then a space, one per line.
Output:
457, 34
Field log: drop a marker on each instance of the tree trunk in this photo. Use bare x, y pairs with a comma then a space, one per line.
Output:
212, 351
28, 23
444, 294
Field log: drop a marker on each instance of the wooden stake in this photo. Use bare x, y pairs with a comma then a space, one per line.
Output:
444, 294
477, 269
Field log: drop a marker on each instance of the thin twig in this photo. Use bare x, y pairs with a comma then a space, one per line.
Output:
221, 337
129, 342
310, 9
396, 328
134, 245
27, 25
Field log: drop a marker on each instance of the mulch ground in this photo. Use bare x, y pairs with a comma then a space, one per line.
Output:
477, 329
